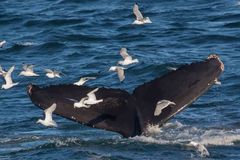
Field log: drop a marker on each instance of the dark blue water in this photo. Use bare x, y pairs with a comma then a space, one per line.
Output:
83, 38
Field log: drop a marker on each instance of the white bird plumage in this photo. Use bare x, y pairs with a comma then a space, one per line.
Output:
86, 102
28, 71
92, 98
8, 78
81, 103
2, 71
161, 105
127, 58
52, 73
83, 80
48, 121
2, 43
139, 17
120, 72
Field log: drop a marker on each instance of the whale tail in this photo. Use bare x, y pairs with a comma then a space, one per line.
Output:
130, 114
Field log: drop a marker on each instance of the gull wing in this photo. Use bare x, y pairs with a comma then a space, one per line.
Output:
8, 77
48, 70
123, 53
120, 72
1, 70
91, 95
48, 112
182, 86
116, 113
137, 13
161, 105
30, 68
130, 114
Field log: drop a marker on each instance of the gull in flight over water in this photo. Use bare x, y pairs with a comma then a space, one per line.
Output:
161, 105
28, 71
48, 121
120, 72
8, 79
52, 73
127, 58
139, 17
2, 43
200, 148
83, 80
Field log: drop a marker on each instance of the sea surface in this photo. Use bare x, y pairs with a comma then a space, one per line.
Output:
83, 38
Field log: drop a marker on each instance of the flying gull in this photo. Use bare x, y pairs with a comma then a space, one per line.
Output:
161, 105
120, 72
127, 58
139, 17
8, 79
52, 73
83, 80
48, 121
28, 71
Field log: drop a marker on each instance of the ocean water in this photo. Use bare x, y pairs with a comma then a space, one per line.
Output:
83, 38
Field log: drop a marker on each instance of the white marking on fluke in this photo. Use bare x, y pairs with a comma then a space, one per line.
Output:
28, 71
48, 121
120, 72
139, 17
83, 80
161, 105
8, 79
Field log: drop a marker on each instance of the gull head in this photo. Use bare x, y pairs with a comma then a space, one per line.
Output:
39, 121
113, 68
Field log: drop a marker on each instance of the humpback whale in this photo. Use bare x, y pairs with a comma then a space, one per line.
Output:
130, 113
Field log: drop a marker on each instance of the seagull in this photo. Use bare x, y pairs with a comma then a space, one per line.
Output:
28, 71
200, 148
92, 98
48, 121
139, 17
127, 58
161, 105
83, 80
120, 72
81, 103
52, 73
2, 43
8, 79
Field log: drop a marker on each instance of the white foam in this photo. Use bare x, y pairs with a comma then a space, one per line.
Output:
27, 43
177, 133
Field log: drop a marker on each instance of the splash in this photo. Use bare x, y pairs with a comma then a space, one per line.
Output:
177, 133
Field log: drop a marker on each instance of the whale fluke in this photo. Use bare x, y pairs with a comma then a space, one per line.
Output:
130, 114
